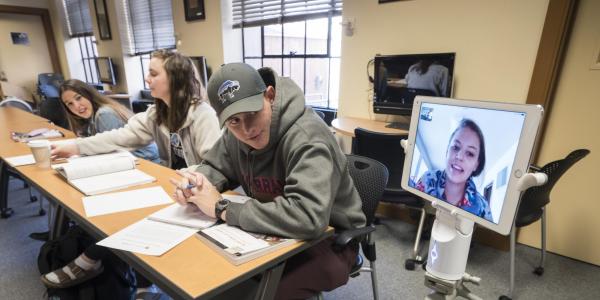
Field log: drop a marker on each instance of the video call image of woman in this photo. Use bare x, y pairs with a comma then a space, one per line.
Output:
465, 159
464, 156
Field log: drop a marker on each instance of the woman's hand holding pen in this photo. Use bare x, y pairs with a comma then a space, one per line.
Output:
194, 188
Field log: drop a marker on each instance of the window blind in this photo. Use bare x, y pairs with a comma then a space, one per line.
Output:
149, 25
79, 21
247, 13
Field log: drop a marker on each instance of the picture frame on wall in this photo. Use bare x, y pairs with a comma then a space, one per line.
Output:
194, 10
102, 19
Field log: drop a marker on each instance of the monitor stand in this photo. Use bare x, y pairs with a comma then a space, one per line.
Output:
398, 125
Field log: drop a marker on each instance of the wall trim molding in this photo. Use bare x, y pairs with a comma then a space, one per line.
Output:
548, 62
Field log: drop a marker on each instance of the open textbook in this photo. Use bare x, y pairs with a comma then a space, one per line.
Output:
164, 229
238, 246
92, 176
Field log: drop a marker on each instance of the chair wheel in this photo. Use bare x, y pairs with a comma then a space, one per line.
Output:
42, 212
6, 213
409, 264
503, 297
538, 271
33, 199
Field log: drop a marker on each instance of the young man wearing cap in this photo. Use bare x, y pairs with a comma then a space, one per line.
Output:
287, 160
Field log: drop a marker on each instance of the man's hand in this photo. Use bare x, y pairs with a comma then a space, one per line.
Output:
63, 150
195, 188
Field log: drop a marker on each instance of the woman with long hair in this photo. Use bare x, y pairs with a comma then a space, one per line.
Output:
181, 122
88, 112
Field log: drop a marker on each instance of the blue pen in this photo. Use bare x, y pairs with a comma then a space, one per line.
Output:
190, 186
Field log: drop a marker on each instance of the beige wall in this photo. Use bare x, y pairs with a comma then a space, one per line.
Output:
23, 63
111, 48
573, 123
495, 44
201, 37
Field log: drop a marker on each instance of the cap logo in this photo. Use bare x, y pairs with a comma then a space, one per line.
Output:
227, 89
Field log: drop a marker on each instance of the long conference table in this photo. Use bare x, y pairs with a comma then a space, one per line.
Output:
191, 270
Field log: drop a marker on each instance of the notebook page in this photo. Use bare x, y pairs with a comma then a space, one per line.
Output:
123, 201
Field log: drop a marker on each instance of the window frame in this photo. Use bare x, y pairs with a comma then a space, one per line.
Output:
88, 58
304, 56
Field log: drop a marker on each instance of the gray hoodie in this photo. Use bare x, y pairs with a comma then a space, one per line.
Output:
299, 182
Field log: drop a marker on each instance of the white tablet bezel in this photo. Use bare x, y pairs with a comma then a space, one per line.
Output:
520, 166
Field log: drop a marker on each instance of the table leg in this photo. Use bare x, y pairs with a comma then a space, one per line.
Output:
5, 211
57, 226
269, 282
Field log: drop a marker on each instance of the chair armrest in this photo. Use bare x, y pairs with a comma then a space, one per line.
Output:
344, 237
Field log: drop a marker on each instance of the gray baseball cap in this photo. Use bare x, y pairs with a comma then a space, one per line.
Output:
235, 88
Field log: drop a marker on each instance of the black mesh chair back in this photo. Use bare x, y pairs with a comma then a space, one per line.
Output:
535, 198
533, 207
17, 103
51, 109
386, 149
370, 179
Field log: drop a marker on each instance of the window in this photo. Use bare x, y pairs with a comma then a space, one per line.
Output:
145, 62
79, 22
149, 26
88, 51
79, 25
298, 39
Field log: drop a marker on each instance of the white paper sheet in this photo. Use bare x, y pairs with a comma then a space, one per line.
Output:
21, 160
117, 202
148, 237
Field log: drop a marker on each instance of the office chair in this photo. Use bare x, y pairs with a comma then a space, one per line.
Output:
8, 172
51, 109
49, 85
386, 149
532, 207
370, 178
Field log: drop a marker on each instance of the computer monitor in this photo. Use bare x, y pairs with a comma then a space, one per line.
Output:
201, 66
106, 72
399, 78
467, 156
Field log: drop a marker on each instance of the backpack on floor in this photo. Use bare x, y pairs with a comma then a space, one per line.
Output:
115, 282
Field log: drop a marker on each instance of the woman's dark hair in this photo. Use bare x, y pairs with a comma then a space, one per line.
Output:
184, 86
468, 123
77, 123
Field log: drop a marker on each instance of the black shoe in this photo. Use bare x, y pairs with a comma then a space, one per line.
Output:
40, 236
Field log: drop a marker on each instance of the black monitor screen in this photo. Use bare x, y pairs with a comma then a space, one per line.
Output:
399, 78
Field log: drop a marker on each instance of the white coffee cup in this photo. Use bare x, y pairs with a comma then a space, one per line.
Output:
41, 152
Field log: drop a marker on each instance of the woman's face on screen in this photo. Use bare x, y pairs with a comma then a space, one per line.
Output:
462, 157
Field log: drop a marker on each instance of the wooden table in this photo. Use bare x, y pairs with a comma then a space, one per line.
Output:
191, 270
346, 126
